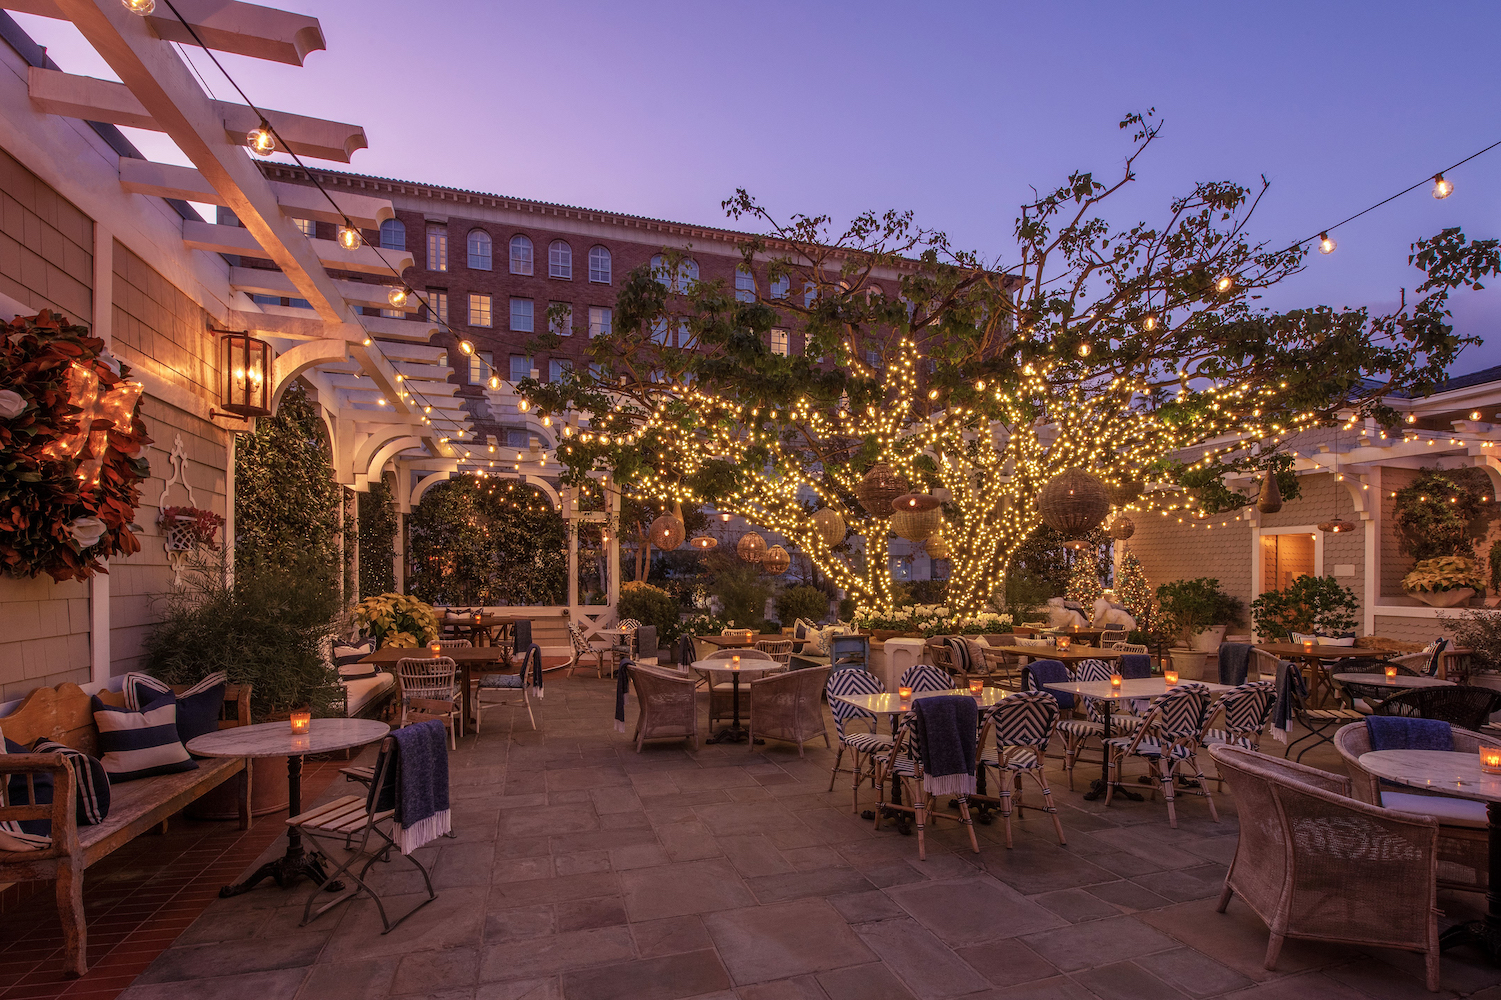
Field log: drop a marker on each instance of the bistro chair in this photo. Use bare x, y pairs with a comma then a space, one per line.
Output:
905, 762
430, 690
1247, 709
502, 687
778, 649
668, 705
1462, 706
583, 647
860, 744
788, 706
1320, 722
1022, 725
1076, 732
626, 647
1169, 737
922, 677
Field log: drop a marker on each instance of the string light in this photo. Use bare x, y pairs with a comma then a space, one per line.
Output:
141, 7
1441, 187
1326, 245
261, 140
350, 239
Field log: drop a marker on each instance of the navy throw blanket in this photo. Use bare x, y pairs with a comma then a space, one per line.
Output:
947, 728
1040, 672
1290, 685
416, 785
1391, 732
1135, 666
685, 649
622, 685
1235, 662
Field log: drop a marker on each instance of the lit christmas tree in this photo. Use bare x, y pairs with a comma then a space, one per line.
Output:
1084, 583
1132, 589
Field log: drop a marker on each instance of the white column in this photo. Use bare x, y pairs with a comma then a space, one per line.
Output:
612, 505
1372, 546
571, 519
229, 511
103, 305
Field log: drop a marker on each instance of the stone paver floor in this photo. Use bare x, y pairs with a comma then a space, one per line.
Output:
583, 870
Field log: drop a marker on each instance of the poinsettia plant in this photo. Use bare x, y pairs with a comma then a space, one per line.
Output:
1444, 573
71, 450
197, 524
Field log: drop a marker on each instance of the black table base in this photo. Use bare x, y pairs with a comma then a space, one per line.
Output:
1484, 933
297, 863
736, 733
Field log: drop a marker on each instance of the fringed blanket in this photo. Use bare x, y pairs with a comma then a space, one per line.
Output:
946, 730
421, 784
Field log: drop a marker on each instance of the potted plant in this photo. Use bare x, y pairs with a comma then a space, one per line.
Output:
397, 620
1444, 581
1195, 614
1310, 604
187, 528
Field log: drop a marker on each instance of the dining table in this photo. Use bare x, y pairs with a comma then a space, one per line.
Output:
1317, 656
1379, 686
464, 658
276, 739
1108, 695
755, 669
1459, 775
730, 641
482, 626
1074, 654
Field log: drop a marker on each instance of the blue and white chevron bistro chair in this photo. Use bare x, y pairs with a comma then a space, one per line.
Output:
1022, 725
861, 744
922, 677
1076, 732
1170, 736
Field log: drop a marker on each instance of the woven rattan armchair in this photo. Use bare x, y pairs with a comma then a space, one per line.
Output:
721, 689
1465, 707
1463, 846
778, 649
1316, 865
789, 707
668, 706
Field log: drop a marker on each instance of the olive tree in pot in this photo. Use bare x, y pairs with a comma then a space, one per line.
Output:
1315, 605
1194, 614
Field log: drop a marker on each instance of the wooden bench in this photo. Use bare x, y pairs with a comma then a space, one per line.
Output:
65, 714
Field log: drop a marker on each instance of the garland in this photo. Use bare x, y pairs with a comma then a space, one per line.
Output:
71, 451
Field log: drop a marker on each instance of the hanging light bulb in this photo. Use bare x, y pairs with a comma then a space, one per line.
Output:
1442, 188
1083, 350
1224, 284
1149, 322
141, 7
397, 296
349, 238
260, 140
1412, 418
495, 381
1326, 245
466, 347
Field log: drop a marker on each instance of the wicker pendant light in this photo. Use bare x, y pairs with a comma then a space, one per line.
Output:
1073, 503
938, 547
1124, 492
880, 486
916, 525
751, 547
1270, 499
667, 533
1121, 528
830, 527
915, 502
703, 542
776, 560
1337, 526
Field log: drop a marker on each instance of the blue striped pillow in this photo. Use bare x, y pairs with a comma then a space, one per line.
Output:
140, 744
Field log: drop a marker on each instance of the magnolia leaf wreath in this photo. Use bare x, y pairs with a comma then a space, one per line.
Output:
71, 450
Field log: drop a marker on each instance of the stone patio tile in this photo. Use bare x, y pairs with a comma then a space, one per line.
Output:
570, 779
638, 856
670, 936
556, 953
895, 873
548, 988
1237, 939
676, 890
522, 847
1307, 987
863, 982
1075, 905
1185, 884
456, 864
1376, 978
1008, 962
427, 972
551, 890
925, 965
1126, 981
759, 943
583, 914
1192, 973
688, 841
456, 917
799, 988
727, 819
1099, 942
523, 869
601, 840
667, 978
805, 858
1057, 988
246, 986
754, 855
1129, 894
819, 882
973, 910
1032, 870
615, 798
581, 862
625, 820
1148, 842
550, 821
711, 778
206, 961
519, 923
350, 980
857, 907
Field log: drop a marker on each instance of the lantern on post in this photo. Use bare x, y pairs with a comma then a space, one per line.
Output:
245, 373
776, 560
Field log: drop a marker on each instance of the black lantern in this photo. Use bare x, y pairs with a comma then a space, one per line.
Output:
245, 366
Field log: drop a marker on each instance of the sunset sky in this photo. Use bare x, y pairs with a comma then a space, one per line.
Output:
952, 110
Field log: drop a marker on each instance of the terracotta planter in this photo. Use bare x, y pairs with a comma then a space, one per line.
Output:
268, 792
1189, 663
1443, 598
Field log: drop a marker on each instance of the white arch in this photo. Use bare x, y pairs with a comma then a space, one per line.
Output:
287, 366
375, 442
427, 482
391, 449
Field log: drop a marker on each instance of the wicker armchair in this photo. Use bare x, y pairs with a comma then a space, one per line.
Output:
778, 649
1463, 846
1316, 865
1465, 707
430, 690
721, 690
789, 707
668, 706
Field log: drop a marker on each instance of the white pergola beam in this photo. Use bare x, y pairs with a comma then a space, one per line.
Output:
94, 100
300, 201
236, 240
267, 282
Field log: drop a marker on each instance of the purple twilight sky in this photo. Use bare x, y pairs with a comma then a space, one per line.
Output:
952, 110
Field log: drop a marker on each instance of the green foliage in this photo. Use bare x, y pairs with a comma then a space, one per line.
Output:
1312, 604
1444, 573
397, 620
741, 589
846, 609
1495, 561
269, 630
487, 541
1133, 590
648, 605
1444, 513
377, 539
1205, 479
1480, 632
1187, 607
802, 601
286, 499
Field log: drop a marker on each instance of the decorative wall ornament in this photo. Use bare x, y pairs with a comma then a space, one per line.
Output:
177, 539
1073, 503
1269, 501
880, 486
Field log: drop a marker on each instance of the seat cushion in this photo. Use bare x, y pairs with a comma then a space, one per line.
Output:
1020, 758
358, 694
500, 682
1449, 812
140, 744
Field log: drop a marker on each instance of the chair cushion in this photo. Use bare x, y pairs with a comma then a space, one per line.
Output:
360, 692
867, 742
1149, 747
501, 681
140, 744
353, 651
1334, 714
1222, 738
1080, 728
1449, 812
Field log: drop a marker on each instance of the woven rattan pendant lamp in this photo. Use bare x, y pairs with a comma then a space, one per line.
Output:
1073, 503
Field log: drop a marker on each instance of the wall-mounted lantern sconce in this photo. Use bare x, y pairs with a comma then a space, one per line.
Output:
245, 375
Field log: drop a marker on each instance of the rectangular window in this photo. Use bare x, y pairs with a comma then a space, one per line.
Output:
660, 332
873, 358
393, 313
558, 370
521, 315
307, 227
560, 318
479, 310
521, 367
437, 305
779, 287
599, 321
559, 260
480, 365
437, 248
779, 342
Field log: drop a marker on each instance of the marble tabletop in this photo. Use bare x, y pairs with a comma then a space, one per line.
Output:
748, 665
276, 739
890, 704
1074, 653
1132, 687
1402, 682
1447, 771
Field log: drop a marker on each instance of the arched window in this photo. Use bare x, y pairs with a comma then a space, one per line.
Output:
745, 284
779, 287
659, 271
599, 265
810, 293
393, 235
479, 250
521, 255
559, 260
687, 274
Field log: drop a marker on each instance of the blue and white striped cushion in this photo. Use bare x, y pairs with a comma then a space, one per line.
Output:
140, 744
141, 689
90, 781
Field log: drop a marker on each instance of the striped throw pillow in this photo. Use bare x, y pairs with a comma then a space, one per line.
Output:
90, 781
14, 793
198, 708
140, 744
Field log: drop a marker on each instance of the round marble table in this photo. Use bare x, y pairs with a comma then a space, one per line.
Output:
1458, 775
1402, 682
276, 739
718, 669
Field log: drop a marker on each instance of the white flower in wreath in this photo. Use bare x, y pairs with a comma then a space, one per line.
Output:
87, 531
11, 404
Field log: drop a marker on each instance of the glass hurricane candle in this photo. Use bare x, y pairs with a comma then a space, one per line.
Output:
735, 662
904, 693
1115, 681
1171, 676
1063, 642
976, 687
434, 648
302, 722
1307, 645
1391, 674
1490, 759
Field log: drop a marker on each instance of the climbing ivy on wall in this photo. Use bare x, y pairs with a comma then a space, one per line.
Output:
377, 540
1444, 513
487, 541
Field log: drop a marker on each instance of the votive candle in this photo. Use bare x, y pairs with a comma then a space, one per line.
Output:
1391, 674
735, 662
975, 687
435, 648
302, 722
904, 693
1115, 681
1307, 645
1490, 759
1063, 642
1171, 676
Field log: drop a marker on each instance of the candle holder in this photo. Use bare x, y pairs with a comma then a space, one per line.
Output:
478, 618
735, 662
976, 688
1115, 682
1391, 675
302, 722
435, 648
904, 693
1062, 642
1307, 645
1490, 759
1171, 676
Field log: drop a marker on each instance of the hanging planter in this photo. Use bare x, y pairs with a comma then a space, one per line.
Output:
830, 527
188, 528
751, 547
776, 560
916, 526
1270, 499
1073, 503
880, 486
